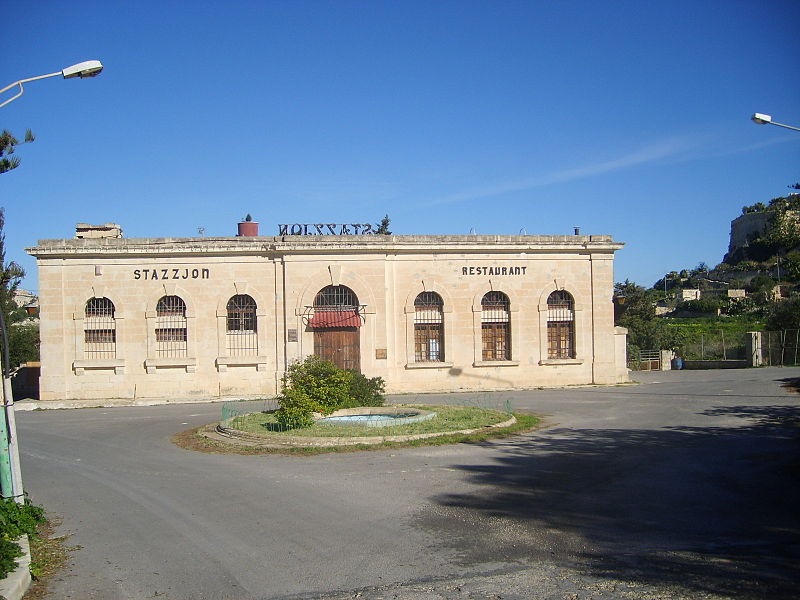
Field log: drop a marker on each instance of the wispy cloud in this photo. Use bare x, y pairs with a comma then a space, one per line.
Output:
758, 145
650, 153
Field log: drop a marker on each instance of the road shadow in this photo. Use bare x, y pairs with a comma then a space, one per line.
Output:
707, 509
791, 383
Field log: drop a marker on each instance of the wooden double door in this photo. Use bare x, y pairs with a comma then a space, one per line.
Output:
340, 345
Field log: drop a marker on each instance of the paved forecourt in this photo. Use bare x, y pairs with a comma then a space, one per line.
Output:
681, 486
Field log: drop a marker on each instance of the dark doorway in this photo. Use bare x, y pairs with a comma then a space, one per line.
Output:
336, 324
340, 345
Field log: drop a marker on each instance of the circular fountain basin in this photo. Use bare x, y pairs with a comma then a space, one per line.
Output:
377, 416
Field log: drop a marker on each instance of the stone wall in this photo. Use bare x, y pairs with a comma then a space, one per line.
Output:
283, 275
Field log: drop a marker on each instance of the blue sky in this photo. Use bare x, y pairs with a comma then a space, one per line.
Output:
623, 118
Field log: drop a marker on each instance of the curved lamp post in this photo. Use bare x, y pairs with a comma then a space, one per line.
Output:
10, 472
767, 120
89, 68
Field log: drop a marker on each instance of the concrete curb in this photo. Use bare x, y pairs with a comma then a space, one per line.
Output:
14, 586
227, 434
29, 404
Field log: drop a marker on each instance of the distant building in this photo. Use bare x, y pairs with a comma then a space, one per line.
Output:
29, 301
690, 295
748, 227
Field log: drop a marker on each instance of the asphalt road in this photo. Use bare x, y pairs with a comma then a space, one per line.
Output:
685, 485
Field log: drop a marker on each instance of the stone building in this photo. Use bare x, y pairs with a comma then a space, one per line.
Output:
223, 317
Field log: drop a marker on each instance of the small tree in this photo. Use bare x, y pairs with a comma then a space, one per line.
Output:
784, 314
10, 276
791, 266
8, 144
383, 227
23, 344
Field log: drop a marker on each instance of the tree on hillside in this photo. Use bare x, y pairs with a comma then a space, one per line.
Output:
791, 266
645, 330
8, 144
638, 302
784, 314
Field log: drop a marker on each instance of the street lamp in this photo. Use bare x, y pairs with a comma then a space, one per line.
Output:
10, 472
767, 120
89, 68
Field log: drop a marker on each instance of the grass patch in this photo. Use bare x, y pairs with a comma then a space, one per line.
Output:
448, 418
192, 439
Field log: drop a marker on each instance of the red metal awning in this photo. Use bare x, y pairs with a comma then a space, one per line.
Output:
323, 319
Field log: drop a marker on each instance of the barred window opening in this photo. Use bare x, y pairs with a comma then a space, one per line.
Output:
335, 306
496, 326
335, 298
99, 329
428, 328
171, 328
560, 325
241, 326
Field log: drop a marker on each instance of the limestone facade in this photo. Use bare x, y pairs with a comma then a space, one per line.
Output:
283, 277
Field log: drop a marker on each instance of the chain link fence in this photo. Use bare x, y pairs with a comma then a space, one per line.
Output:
717, 346
781, 348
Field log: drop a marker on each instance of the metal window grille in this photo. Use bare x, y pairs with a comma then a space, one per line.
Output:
242, 326
428, 328
496, 326
99, 329
171, 332
560, 325
336, 298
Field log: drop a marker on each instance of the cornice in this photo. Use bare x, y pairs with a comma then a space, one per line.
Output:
288, 245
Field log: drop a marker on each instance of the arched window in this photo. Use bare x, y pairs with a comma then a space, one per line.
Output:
496, 326
99, 329
334, 298
428, 328
171, 327
241, 326
335, 306
560, 325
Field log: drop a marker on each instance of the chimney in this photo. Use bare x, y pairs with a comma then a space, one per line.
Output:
248, 227
577, 230
107, 230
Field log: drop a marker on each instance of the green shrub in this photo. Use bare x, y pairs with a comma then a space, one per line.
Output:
705, 304
9, 551
317, 385
15, 520
740, 306
366, 392
295, 410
